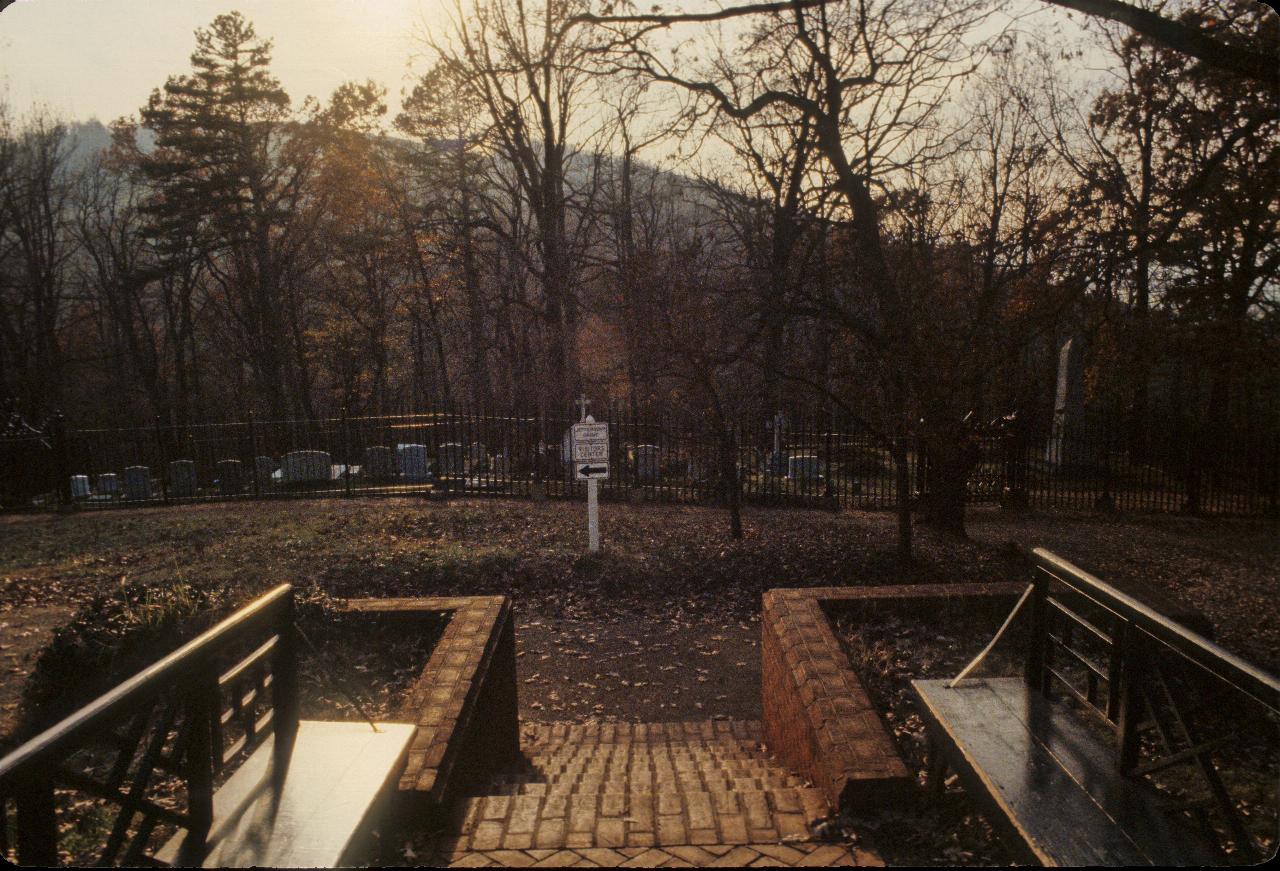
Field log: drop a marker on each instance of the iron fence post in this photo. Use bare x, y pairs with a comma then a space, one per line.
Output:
253, 455
62, 461
164, 465
346, 450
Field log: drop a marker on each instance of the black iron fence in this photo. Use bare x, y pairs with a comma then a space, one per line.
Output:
669, 459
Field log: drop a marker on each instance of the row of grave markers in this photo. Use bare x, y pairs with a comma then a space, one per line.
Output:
409, 463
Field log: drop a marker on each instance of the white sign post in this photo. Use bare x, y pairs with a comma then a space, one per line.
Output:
591, 463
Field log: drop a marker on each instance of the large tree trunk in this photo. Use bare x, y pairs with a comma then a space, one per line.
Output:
732, 482
951, 457
902, 476
476, 325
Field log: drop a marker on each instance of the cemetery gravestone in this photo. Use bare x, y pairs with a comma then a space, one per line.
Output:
647, 463
379, 463
415, 465
79, 486
182, 478
292, 468
477, 458
502, 465
263, 469
452, 459
804, 467
319, 466
777, 463
109, 484
137, 482
300, 467
230, 476
1063, 449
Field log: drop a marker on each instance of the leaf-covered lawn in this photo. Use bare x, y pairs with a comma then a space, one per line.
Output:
662, 625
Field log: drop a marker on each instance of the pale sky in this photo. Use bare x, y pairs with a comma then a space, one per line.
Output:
101, 58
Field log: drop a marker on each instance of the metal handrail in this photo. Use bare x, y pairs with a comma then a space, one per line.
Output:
155, 678
1226, 666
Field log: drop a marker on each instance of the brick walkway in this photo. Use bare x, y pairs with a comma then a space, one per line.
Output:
643, 795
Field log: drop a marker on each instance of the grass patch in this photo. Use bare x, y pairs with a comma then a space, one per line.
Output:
115, 636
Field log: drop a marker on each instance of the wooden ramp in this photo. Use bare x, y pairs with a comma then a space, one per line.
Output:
1048, 780
340, 776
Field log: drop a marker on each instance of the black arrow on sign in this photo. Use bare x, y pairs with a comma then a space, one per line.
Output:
587, 470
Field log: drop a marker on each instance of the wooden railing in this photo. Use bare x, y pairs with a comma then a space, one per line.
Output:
153, 750
1173, 699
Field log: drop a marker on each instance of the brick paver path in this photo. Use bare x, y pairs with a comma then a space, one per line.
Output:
643, 795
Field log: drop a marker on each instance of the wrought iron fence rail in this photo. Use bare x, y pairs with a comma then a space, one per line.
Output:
658, 458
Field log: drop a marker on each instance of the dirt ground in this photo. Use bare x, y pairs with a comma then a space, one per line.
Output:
663, 624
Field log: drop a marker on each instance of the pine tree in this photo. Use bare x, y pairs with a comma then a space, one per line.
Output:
228, 179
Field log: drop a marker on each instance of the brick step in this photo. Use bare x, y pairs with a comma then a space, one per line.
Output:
648, 772
636, 819
674, 750
647, 761
578, 734
729, 767
668, 754
571, 766
560, 787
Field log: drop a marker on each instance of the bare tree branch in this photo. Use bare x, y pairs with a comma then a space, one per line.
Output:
1261, 65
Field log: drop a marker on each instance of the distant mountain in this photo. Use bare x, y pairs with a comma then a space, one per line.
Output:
91, 137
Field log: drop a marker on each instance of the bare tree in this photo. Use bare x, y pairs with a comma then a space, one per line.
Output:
880, 74
528, 68
35, 201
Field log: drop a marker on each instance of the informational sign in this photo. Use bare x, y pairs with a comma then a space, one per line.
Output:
590, 450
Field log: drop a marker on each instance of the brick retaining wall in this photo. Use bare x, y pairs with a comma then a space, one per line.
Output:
816, 714
464, 703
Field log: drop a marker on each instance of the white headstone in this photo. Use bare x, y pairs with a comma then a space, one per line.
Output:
415, 464
647, 463
301, 467
477, 458
452, 459
79, 486
109, 484
137, 482
379, 463
182, 478
502, 465
230, 474
804, 467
